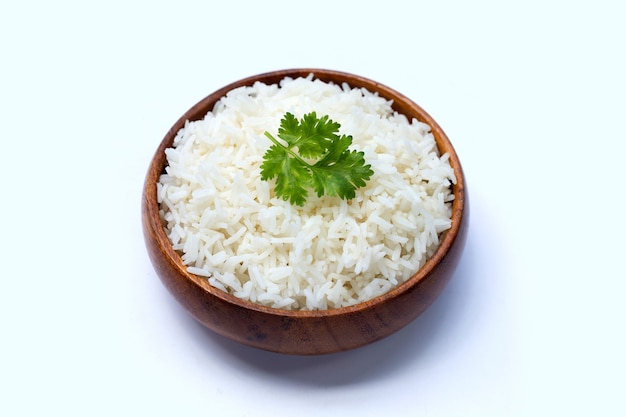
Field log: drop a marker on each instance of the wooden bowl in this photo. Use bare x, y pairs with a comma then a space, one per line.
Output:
305, 332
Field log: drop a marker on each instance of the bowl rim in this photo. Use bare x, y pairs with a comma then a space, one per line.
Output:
198, 110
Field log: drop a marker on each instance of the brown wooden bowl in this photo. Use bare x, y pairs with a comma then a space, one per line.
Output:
305, 332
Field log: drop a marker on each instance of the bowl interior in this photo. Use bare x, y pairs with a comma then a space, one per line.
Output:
401, 104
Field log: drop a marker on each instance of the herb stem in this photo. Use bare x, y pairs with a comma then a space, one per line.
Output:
288, 149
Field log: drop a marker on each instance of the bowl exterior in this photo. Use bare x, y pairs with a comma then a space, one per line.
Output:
305, 332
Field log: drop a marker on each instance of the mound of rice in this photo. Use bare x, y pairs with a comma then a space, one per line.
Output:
229, 227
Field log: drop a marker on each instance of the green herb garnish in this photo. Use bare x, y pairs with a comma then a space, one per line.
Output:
314, 156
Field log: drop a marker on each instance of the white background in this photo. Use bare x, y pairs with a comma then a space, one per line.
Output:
532, 96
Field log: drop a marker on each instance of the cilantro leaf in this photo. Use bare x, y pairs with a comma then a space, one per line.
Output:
293, 177
337, 171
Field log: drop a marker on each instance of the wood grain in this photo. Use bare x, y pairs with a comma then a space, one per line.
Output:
305, 332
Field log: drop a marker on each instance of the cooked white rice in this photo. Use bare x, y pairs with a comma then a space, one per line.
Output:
229, 227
